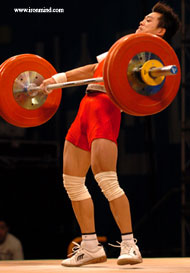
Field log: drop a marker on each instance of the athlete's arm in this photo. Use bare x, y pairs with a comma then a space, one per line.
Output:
80, 73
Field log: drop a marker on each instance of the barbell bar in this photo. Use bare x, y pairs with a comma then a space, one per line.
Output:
23, 104
31, 89
154, 72
168, 70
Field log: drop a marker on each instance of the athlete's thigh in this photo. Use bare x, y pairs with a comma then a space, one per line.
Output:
76, 161
104, 155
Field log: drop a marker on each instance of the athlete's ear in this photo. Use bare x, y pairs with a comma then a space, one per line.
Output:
161, 31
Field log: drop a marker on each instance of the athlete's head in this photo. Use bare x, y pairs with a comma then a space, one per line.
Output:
162, 21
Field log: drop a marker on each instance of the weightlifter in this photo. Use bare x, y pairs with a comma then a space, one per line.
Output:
91, 141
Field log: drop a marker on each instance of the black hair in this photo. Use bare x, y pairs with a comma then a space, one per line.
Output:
168, 20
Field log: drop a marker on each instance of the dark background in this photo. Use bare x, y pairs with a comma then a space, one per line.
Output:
149, 167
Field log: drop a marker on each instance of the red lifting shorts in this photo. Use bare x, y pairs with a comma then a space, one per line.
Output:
97, 117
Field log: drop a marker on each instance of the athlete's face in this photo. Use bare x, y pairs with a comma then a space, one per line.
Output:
150, 25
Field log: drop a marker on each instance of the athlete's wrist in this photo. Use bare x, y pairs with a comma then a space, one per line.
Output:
60, 77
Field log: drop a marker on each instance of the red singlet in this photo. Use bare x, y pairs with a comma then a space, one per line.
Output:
97, 117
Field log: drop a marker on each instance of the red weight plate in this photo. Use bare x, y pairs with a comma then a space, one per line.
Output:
1, 68
106, 78
118, 60
11, 111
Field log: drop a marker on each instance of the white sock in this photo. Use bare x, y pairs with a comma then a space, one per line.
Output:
127, 237
89, 240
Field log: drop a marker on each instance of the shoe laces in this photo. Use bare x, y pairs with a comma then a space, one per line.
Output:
125, 245
75, 249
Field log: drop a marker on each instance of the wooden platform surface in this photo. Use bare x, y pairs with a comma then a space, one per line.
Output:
155, 265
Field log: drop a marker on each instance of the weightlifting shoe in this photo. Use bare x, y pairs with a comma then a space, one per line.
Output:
82, 256
129, 253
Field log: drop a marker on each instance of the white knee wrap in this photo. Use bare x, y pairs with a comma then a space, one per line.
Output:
75, 187
109, 185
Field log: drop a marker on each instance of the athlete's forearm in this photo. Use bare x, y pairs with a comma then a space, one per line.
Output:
81, 73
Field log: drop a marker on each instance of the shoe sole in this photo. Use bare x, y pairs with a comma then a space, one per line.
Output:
129, 261
93, 261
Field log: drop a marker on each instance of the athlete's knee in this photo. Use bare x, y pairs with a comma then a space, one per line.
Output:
108, 182
75, 187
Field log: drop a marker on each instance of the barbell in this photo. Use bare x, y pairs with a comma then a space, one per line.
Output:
141, 75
